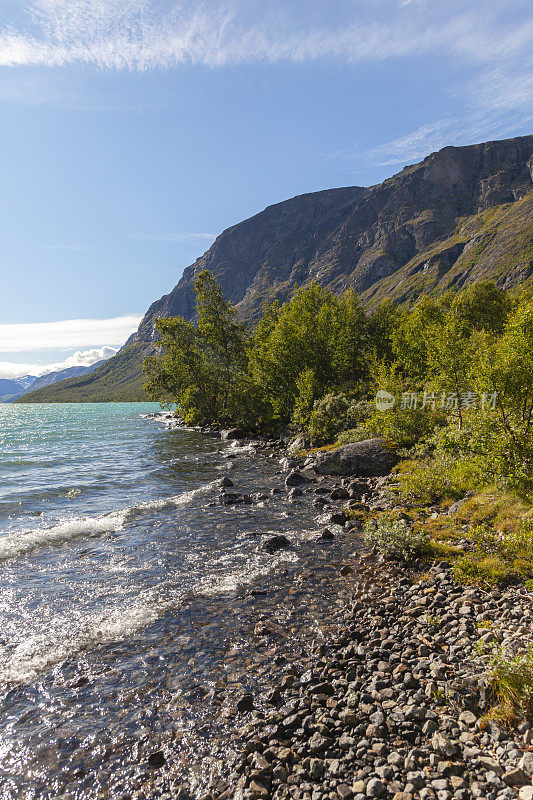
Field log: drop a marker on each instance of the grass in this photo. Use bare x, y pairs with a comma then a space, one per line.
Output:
510, 679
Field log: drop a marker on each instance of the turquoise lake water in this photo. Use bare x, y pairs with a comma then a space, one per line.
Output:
120, 574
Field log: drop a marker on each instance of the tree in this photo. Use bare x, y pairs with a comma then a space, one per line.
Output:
200, 367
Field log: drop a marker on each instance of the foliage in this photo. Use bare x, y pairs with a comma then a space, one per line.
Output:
395, 538
510, 678
201, 368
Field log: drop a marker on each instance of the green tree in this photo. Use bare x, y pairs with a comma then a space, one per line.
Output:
200, 368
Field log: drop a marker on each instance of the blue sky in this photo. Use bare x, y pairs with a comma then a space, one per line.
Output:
134, 131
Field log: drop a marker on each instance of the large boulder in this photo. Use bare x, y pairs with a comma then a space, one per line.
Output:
364, 459
231, 434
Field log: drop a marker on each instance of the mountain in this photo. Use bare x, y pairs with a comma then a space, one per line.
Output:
461, 215
26, 381
9, 390
30, 382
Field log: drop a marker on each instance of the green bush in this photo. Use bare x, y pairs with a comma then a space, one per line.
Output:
396, 539
404, 426
510, 678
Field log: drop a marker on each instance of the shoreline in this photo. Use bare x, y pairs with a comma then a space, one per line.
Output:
394, 703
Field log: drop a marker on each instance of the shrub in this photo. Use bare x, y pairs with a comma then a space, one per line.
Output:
510, 678
396, 539
405, 426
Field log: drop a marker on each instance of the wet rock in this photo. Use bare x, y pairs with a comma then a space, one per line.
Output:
225, 482
296, 478
295, 492
230, 498
340, 494
246, 703
156, 760
325, 535
274, 543
231, 434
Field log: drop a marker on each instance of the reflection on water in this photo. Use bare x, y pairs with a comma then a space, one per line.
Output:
126, 617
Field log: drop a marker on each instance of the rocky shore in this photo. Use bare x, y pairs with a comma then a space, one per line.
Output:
395, 702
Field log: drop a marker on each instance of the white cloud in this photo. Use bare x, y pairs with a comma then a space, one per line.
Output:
82, 358
67, 333
179, 238
144, 34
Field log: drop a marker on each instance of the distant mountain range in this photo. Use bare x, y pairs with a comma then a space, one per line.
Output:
11, 390
461, 215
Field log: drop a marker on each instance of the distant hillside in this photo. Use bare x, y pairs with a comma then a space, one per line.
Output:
122, 381
35, 384
9, 390
461, 215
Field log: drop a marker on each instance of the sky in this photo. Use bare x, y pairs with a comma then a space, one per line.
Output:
134, 131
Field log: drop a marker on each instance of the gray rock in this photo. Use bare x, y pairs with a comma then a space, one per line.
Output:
526, 763
231, 434
273, 543
375, 788
296, 478
516, 777
368, 458
443, 745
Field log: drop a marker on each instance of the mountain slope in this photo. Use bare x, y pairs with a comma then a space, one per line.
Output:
460, 215
119, 378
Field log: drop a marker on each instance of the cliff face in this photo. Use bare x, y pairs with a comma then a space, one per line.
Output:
432, 211
461, 215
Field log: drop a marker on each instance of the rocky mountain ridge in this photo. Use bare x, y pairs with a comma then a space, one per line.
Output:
461, 215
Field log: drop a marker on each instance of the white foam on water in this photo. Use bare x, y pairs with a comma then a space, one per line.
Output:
55, 645
17, 544
65, 636
20, 543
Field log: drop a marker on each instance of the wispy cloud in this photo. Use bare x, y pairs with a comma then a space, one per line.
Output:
179, 238
75, 247
67, 333
82, 358
144, 34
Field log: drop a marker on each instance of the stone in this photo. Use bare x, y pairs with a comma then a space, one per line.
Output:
246, 703
340, 494
316, 768
490, 765
365, 459
468, 718
257, 790
443, 745
344, 791
526, 763
525, 793
318, 743
274, 543
296, 478
326, 535
231, 434
375, 788
156, 760
516, 777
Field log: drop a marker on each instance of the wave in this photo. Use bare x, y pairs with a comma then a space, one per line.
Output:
23, 542
52, 647
43, 650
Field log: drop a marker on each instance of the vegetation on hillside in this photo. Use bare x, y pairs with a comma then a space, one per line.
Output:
459, 370
120, 379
